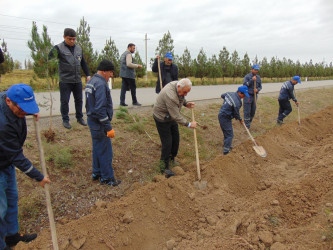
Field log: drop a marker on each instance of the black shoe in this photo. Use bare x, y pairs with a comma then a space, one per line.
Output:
7, 248
111, 182
169, 173
123, 104
67, 124
226, 152
279, 122
16, 238
82, 122
136, 104
96, 177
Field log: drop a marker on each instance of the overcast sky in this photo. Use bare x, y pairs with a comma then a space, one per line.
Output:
295, 29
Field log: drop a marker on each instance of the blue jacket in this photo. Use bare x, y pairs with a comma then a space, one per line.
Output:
287, 92
250, 83
13, 132
173, 74
99, 105
232, 104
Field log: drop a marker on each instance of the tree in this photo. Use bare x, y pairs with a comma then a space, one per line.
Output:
17, 64
245, 64
236, 66
164, 45
213, 69
201, 65
111, 53
40, 47
83, 39
224, 62
185, 64
8, 65
139, 73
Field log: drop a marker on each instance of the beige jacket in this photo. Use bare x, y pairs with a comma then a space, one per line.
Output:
168, 105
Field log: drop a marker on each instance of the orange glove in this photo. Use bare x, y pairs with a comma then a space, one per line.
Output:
111, 133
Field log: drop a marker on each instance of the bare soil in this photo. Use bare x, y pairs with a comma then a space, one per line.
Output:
283, 201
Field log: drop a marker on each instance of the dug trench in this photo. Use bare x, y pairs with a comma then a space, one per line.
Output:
283, 201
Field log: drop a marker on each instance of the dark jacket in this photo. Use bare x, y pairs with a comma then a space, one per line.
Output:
99, 102
250, 83
173, 74
287, 92
231, 105
70, 62
13, 132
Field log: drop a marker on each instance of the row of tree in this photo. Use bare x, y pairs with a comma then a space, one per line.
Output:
224, 64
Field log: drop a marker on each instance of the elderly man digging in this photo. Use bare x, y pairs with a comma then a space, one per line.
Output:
167, 115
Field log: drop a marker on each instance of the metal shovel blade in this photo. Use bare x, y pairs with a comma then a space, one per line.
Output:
260, 151
201, 185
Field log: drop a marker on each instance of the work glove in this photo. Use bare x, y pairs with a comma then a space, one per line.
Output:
111, 133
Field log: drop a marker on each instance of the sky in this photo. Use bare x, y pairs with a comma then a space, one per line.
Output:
294, 29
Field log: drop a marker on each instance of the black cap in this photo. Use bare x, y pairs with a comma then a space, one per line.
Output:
105, 65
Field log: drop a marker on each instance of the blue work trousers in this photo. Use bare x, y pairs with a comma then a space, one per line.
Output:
65, 92
8, 204
102, 150
249, 109
128, 83
284, 110
228, 132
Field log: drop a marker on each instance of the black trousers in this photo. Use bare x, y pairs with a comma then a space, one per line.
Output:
126, 84
65, 92
169, 135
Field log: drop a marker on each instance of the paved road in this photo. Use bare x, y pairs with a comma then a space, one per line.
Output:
147, 96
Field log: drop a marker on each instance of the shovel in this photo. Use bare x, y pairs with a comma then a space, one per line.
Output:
259, 149
159, 72
46, 187
201, 185
298, 111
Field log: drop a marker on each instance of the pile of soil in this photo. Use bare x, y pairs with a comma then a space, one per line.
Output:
283, 201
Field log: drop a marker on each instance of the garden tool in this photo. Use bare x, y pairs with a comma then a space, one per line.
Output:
259, 149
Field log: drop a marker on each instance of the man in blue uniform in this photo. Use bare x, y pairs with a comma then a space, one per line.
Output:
229, 110
15, 103
169, 71
287, 93
70, 56
249, 102
100, 111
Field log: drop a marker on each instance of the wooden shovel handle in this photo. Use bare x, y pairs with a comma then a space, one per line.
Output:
196, 148
159, 72
46, 187
247, 130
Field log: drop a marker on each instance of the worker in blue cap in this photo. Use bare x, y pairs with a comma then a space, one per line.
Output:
253, 82
15, 103
287, 93
229, 110
169, 71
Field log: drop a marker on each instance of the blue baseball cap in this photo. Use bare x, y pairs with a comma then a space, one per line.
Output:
297, 78
24, 96
255, 66
169, 55
243, 89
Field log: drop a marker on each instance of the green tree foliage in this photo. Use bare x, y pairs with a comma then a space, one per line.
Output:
236, 69
224, 62
213, 67
185, 63
245, 64
164, 45
17, 64
139, 73
201, 65
8, 65
40, 46
111, 53
83, 39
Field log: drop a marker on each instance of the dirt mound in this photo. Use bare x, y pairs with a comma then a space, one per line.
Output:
283, 201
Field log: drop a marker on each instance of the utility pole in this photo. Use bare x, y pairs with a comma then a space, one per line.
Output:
146, 56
